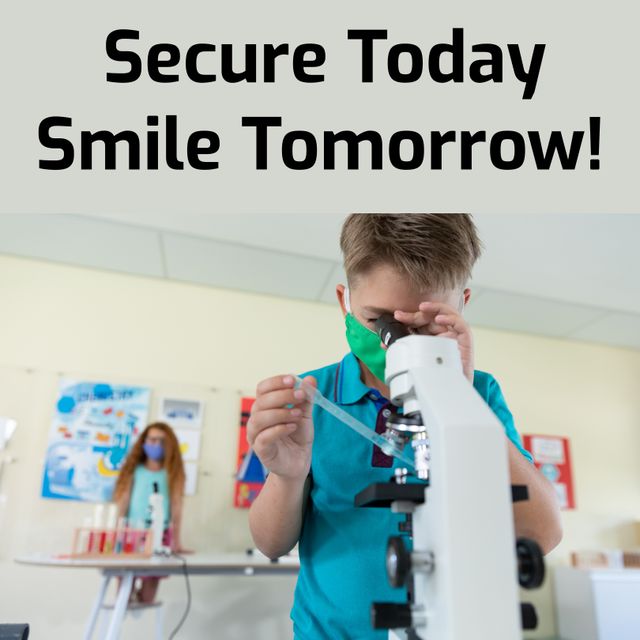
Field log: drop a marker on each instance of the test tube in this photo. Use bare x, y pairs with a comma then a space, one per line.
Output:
142, 539
84, 538
120, 535
97, 535
129, 539
110, 533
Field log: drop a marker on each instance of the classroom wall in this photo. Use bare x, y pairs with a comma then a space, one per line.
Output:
215, 345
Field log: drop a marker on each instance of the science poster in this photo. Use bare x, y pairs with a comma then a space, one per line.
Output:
551, 455
251, 474
93, 428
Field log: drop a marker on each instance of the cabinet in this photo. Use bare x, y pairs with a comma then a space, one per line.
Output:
597, 604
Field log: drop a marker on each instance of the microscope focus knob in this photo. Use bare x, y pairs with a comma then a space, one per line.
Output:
528, 616
530, 563
390, 615
398, 562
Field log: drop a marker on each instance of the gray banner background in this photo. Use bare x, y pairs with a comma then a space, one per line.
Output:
55, 64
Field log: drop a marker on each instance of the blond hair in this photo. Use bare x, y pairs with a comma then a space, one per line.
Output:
435, 251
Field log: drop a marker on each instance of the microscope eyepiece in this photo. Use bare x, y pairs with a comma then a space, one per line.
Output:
389, 329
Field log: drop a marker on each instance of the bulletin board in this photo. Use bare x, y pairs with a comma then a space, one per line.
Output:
552, 456
185, 417
93, 428
251, 474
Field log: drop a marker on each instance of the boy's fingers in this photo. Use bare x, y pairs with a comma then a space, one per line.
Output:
276, 382
424, 324
452, 320
277, 398
310, 380
413, 319
436, 329
309, 386
272, 395
262, 420
434, 318
408, 316
270, 436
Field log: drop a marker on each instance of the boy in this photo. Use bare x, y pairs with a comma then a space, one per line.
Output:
415, 266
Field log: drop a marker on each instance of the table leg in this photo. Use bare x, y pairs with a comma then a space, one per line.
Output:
120, 607
160, 622
97, 605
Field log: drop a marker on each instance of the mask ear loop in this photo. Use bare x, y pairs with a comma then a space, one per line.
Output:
347, 299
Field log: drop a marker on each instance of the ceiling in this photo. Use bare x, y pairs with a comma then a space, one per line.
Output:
568, 276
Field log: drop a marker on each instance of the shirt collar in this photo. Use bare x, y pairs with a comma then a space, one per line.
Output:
349, 387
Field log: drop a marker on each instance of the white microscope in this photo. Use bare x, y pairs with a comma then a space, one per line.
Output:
463, 566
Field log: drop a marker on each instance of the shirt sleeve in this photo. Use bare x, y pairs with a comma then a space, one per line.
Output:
495, 399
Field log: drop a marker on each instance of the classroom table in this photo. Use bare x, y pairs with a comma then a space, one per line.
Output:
239, 564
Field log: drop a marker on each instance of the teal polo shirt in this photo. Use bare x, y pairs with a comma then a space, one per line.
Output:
342, 548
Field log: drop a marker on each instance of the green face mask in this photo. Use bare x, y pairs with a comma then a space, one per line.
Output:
365, 345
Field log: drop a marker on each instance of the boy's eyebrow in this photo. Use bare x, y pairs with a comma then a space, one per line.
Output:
377, 310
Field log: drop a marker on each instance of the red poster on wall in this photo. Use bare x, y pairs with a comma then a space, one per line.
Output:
551, 456
250, 474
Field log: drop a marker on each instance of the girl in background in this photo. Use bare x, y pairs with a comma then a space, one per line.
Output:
154, 458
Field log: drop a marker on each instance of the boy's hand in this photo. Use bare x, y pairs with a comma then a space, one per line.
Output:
282, 436
440, 319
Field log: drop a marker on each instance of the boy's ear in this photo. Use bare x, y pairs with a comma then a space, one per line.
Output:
340, 289
466, 296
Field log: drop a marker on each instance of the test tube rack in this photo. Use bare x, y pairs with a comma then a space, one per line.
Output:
91, 542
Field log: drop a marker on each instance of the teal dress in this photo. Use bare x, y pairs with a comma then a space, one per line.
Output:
342, 548
141, 490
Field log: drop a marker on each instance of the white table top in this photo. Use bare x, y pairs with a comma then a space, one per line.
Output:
197, 563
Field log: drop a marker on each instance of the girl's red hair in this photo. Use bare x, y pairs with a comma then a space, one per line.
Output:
172, 463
